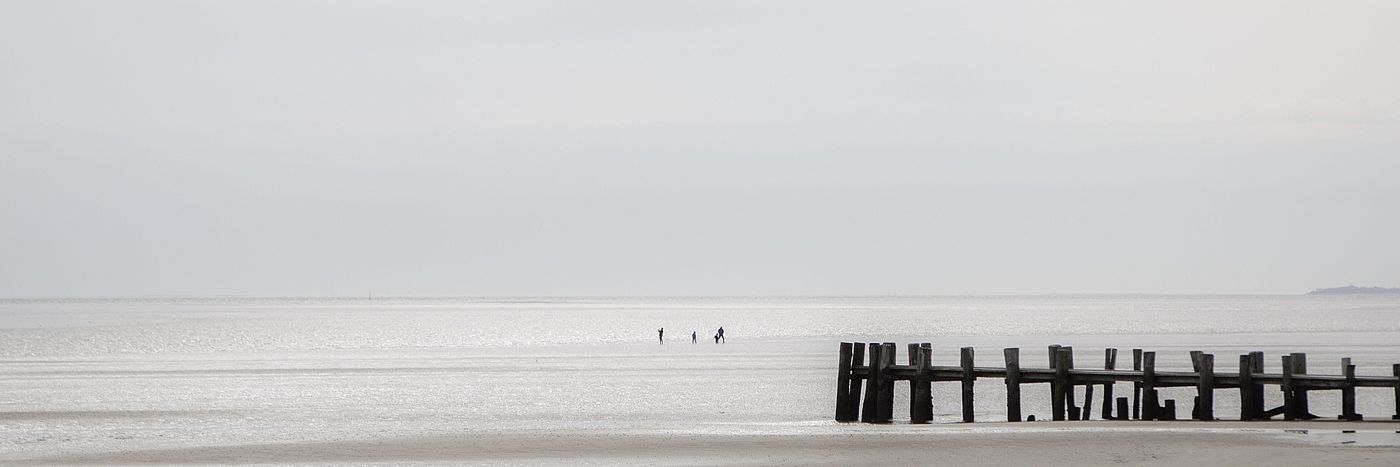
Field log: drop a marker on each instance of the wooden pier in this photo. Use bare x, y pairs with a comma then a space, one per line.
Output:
872, 368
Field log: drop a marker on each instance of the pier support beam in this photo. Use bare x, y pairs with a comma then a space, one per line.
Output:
1349, 392
1061, 386
870, 412
1246, 390
1149, 386
1290, 400
1137, 386
921, 407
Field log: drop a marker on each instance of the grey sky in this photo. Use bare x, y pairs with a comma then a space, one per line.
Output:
329, 148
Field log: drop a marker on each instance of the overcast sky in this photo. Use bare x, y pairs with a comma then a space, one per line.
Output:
702, 148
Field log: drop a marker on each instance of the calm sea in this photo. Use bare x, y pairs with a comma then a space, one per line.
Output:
91, 376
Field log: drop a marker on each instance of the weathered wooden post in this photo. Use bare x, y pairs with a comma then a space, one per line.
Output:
1149, 386
1061, 384
1290, 403
1110, 359
1349, 392
969, 378
924, 394
1246, 389
1137, 386
1054, 383
1122, 408
1205, 387
913, 359
1395, 370
843, 382
1168, 410
1256, 366
1300, 397
853, 405
889, 352
1013, 384
873, 381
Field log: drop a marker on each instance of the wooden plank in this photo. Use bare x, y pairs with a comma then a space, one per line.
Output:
1349, 392
1110, 359
853, 405
843, 382
1149, 385
1290, 405
1137, 386
969, 379
1013, 384
871, 412
1205, 387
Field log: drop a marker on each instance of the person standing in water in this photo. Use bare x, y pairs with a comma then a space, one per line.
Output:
660, 335
692, 337
721, 334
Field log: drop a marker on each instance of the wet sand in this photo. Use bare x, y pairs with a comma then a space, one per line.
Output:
1042, 443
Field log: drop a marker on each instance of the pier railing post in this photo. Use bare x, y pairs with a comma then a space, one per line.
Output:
1256, 366
969, 378
843, 382
1013, 384
913, 359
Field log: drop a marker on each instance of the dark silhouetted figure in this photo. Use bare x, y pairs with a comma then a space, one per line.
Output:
721, 334
716, 338
692, 337
660, 335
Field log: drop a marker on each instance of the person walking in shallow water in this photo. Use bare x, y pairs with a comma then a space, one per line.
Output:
660, 335
720, 334
692, 337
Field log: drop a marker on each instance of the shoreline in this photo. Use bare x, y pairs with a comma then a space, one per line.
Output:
1081, 443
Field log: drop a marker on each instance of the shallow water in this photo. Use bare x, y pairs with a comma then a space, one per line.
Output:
91, 376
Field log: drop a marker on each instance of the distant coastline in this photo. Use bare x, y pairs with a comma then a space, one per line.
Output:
1354, 290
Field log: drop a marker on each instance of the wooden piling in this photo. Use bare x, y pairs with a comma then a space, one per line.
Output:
1205, 387
1349, 392
1168, 410
1069, 390
913, 359
1137, 386
889, 352
1256, 366
1060, 385
1149, 385
1122, 408
921, 409
1110, 359
1300, 397
1088, 402
870, 412
843, 382
1246, 390
1013, 384
1290, 405
854, 401
1056, 397
969, 378
1395, 371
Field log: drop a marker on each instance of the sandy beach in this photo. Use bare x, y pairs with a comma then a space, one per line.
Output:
1040, 443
